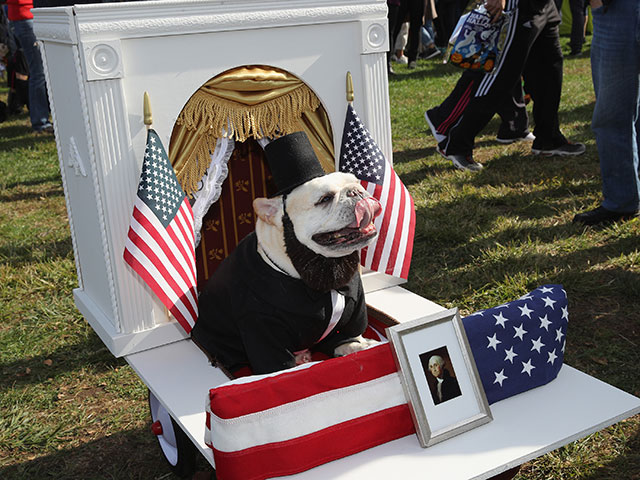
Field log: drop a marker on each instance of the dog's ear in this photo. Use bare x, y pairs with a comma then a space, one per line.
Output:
267, 209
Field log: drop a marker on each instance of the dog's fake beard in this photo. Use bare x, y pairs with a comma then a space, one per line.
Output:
318, 272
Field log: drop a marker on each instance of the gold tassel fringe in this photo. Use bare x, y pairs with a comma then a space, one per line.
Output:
208, 116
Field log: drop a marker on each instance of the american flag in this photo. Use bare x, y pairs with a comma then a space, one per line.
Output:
160, 243
390, 252
519, 345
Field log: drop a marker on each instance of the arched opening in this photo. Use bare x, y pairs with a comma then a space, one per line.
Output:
216, 150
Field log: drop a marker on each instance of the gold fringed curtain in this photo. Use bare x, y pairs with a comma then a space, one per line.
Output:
246, 102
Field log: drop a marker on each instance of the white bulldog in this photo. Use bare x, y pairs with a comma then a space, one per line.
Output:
292, 287
332, 216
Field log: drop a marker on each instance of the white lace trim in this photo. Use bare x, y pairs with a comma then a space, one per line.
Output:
210, 186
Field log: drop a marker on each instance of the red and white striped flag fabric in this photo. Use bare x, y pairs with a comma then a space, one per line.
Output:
391, 251
160, 244
287, 422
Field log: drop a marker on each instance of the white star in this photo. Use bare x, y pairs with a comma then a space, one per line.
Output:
537, 344
510, 355
552, 356
544, 323
520, 332
565, 313
493, 342
527, 367
526, 311
500, 377
559, 335
152, 139
526, 297
500, 319
548, 302
480, 312
546, 290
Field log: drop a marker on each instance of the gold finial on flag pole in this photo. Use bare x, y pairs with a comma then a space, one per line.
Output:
349, 88
146, 108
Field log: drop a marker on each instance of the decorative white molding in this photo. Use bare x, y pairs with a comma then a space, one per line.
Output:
75, 160
119, 175
67, 197
98, 196
376, 94
374, 37
176, 18
54, 25
103, 59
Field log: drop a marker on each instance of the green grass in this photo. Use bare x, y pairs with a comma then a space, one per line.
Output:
69, 410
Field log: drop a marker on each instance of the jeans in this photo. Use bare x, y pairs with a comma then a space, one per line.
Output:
615, 67
38, 100
427, 35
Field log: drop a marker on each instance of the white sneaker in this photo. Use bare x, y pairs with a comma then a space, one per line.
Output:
402, 59
529, 137
462, 162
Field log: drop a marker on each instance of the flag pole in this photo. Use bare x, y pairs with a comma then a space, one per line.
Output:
350, 98
148, 121
146, 108
349, 88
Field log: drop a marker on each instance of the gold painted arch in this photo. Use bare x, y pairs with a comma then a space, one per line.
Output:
253, 101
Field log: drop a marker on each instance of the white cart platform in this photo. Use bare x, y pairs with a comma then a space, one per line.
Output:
524, 426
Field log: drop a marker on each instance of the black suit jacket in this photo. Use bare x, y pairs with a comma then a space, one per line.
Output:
450, 388
252, 315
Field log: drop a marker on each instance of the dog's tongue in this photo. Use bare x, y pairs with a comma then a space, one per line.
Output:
366, 210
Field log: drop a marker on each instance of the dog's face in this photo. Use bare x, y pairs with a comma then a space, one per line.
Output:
332, 215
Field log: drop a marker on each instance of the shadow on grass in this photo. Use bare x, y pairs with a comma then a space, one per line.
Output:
90, 351
132, 454
21, 137
20, 255
32, 183
426, 69
53, 191
625, 466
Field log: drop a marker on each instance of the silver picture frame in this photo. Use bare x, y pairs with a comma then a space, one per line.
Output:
439, 412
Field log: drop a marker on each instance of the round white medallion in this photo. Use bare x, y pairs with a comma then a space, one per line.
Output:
376, 35
104, 59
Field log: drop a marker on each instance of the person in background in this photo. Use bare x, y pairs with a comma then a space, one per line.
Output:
392, 17
427, 34
414, 9
615, 69
21, 21
578, 24
400, 43
532, 51
448, 15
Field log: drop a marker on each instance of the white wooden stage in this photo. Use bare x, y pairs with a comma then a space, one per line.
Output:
523, 427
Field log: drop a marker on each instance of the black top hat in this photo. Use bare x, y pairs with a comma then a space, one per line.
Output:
292, 162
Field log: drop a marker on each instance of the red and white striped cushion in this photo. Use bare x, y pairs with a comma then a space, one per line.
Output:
287, 422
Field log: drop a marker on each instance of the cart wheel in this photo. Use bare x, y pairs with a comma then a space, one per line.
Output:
176, 446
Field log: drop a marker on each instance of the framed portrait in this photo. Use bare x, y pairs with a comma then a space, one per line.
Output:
439, 376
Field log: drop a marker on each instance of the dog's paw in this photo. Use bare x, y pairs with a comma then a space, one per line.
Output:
303, 356
357, 344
